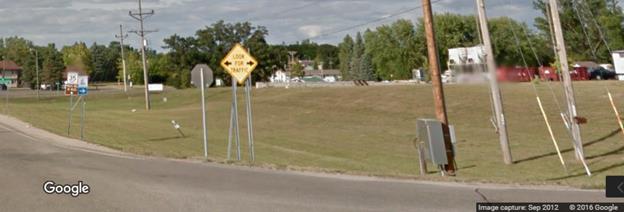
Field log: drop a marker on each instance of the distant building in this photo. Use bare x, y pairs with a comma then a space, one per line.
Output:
280, 76
466, 65
307, 64
618, 63
75, 69
330, 75
586, 64
10, 71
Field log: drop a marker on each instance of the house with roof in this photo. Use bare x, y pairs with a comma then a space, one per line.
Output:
75, 69
10, 73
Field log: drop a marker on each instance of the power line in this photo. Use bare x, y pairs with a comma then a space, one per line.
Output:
401, 12
600, 32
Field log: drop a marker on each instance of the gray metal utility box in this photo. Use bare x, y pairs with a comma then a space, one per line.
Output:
429, 131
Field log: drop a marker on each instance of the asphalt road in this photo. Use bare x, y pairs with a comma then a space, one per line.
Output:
122, 182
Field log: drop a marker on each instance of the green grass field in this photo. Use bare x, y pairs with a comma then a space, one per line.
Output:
359, 130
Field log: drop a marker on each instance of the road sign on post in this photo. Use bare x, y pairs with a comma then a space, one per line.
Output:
239, 63
83, 85
72, 78
196, 76
201, 77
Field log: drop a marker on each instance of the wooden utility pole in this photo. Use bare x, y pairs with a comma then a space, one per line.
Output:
141, 16
497, 99
121, 37
573, 125
436, 83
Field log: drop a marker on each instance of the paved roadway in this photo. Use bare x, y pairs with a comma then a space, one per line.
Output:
122, 182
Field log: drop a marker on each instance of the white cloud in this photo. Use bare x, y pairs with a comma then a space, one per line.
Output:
311, 30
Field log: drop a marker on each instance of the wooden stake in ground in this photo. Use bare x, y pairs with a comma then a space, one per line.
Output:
552, 135
617, 113
436, 83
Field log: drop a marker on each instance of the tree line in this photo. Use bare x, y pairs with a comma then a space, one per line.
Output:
592, 28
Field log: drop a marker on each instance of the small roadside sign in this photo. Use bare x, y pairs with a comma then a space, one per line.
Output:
5, 81
196, 76
239, 63
83, 85
71, 89
72, 78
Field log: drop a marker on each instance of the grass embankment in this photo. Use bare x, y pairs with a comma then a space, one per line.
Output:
361, 130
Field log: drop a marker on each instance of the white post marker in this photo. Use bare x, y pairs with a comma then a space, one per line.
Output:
202, 78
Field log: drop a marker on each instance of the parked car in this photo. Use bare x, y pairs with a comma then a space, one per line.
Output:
3, 87
601, 73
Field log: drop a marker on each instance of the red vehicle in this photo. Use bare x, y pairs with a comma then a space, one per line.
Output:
517, 74
550, 74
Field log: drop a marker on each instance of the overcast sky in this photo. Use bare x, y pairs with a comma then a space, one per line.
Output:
66, 21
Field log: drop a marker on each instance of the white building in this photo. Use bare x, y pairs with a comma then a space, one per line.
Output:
466, 65
280, 76
618, 63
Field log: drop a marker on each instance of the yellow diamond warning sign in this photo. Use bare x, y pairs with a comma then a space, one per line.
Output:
239, 63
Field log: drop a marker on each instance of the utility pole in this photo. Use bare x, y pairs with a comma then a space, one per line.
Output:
37, 71
436, 83
141, 16
573, 125
121, 37
497, 99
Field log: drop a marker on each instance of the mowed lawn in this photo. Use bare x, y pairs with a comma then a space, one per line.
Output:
359, 130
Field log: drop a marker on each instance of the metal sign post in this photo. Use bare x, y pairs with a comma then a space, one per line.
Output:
71, 102
5, 82
71, 90
234, 125
203, 104
249, 120
82, 118
239, 64
83, 90
202, 77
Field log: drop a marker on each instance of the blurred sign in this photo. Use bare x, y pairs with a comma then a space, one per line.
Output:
71, 90
196, 76
72, 78
239, 63
155, 87
83, 85
5, 81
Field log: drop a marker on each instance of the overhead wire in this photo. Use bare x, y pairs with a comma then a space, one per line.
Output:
598, 27
584, 27
348, 28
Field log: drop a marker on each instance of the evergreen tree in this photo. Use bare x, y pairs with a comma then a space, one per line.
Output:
366, 68
52, 67
345, 52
